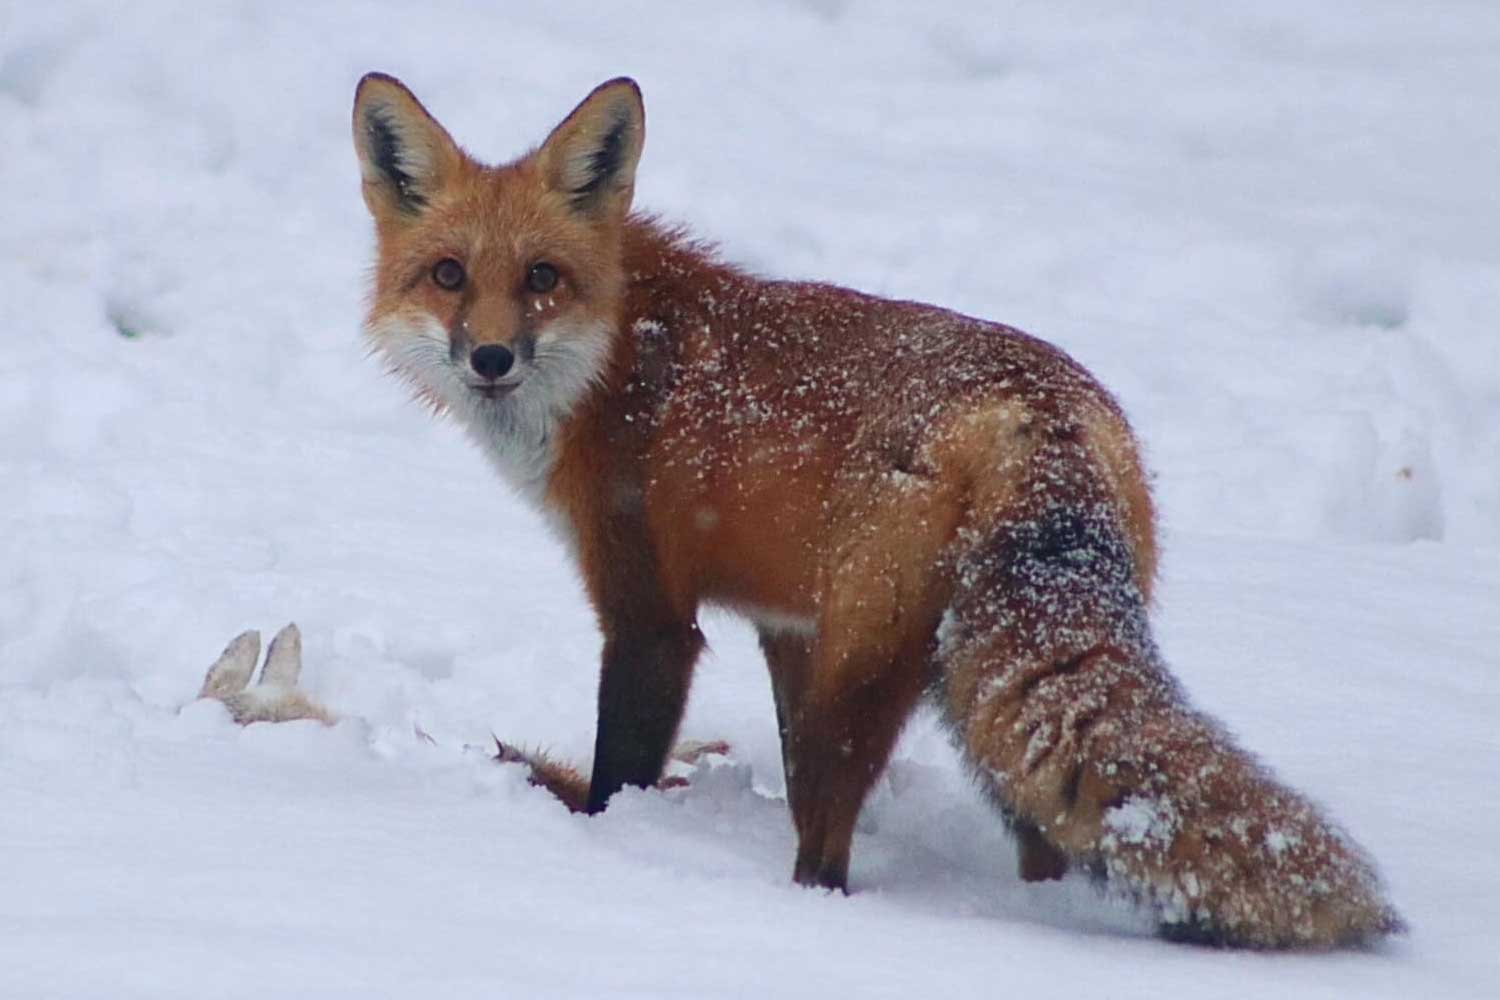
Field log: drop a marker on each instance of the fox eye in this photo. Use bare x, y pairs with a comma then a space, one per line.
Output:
448, 273
541, 277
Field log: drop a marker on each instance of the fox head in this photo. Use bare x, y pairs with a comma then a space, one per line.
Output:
496, 288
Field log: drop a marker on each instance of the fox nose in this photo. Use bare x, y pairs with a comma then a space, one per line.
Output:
491, 360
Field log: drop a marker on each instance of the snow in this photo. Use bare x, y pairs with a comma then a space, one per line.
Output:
1270, 231
1141, 821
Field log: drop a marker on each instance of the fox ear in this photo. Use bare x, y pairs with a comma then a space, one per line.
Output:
405, 156
591, 156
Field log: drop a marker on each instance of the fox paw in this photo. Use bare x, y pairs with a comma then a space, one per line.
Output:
274, 697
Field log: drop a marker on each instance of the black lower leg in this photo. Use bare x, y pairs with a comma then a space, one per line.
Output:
643, 690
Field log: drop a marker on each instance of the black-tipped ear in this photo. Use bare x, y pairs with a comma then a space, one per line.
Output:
405, 156
591, 156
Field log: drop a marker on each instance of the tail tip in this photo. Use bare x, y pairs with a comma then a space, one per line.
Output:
1364, 928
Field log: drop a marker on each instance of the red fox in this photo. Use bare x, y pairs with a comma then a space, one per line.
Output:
907, 504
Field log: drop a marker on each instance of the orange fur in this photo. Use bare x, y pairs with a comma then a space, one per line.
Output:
904, 500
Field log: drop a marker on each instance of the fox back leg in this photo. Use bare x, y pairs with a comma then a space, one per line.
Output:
788, 657
838, 737
833, 745
844, 695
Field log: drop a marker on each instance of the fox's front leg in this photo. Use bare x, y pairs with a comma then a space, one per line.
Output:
643, 688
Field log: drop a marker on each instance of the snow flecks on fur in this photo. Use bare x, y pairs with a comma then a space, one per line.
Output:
1009, 476
749, 362
1139, 821
1047, 670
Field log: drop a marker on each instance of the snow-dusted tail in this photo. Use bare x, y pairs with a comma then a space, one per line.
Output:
1059, 699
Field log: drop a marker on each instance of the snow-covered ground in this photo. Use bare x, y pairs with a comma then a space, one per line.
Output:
1274, 229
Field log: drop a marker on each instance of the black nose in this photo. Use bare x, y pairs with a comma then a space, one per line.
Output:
491, 360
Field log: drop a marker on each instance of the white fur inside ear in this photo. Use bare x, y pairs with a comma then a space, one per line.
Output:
399, 148
595, 151
590, 163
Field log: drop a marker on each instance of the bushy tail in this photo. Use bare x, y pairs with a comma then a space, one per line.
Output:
1058, 697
